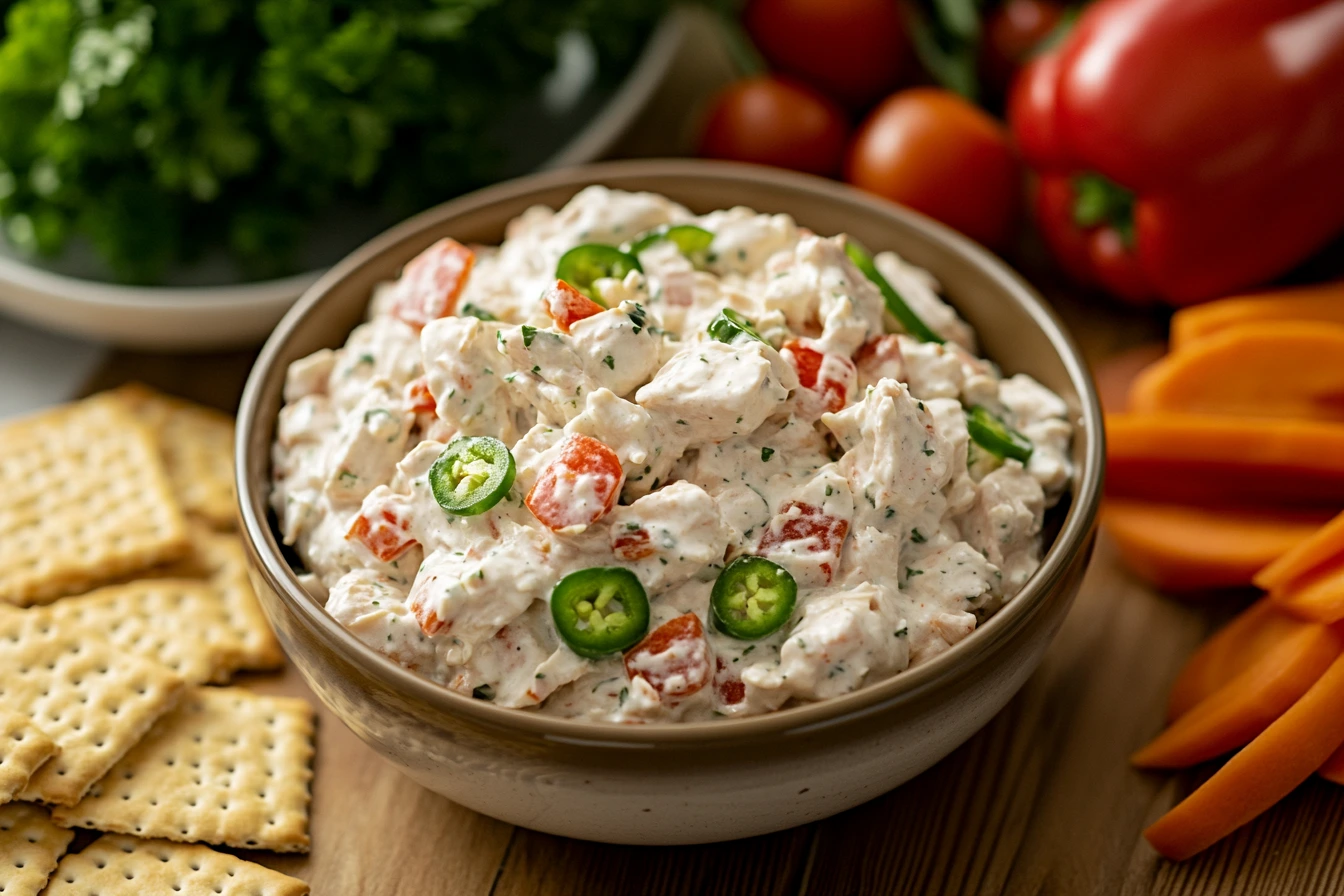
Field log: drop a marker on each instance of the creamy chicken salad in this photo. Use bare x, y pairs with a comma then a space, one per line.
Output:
640, 465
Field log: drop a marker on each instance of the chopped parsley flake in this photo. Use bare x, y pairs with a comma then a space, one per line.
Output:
610, 362
917, 536
529, 333
766, 453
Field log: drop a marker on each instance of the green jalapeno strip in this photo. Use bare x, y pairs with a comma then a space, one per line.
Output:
476, 311
472, 474
600, 611
992, 434
582, 266
729, 326
689, 239
752, 598
905, 316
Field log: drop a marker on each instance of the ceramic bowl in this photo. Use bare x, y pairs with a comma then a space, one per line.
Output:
704, 781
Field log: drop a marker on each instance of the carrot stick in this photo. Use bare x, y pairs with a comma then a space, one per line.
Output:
1333, 769
1323, 546
1285, 368
1322, 302
1318, 597
1262, 773
1246, 705
1179, 548
1250, 634
1208, 460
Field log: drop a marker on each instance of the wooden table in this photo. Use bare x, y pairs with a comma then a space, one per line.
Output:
1041, 801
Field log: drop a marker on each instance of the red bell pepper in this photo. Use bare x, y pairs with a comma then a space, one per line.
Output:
1187, 149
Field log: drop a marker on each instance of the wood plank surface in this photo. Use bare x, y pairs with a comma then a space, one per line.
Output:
1042, 801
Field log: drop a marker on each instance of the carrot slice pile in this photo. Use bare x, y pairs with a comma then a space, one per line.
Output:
1324, 302
1212, 460
1180, 548
1268, 369
1242, 642
1246, 705
1265, 771
1325, 544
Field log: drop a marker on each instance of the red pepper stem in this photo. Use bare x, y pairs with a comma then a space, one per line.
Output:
1099, 201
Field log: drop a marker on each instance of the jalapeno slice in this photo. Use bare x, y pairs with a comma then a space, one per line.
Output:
472, 474
584, 265
689, 239
752, 598
729, 326
600, 610
995, 436
903, 313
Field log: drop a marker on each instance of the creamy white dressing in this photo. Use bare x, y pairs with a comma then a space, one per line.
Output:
838, 449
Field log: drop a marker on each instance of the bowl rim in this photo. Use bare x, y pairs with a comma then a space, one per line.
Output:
1073, 537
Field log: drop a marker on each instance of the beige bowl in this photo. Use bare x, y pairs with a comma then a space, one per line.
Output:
704, 781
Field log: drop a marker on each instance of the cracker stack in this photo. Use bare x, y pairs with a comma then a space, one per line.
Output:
123, 596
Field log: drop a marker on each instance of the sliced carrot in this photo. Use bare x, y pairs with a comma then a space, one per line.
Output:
1246, 705
1242, 642
1333, 769
1318, 597
1116, 374
1266, 770
1267, 369
1323, 302
1324, 545
1210, 460
1180, 548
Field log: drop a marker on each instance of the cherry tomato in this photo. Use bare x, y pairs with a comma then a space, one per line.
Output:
567, 306
674, 658
933, 151
853, 50
773, 121
431, 282
579, 487
1012, 33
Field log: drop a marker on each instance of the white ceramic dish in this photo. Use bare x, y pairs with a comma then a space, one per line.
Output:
194, 318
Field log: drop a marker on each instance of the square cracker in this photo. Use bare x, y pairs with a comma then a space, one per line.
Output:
180, 623
197, 447
30, 846
117, 865
92, 699
227, 766
23, 747
86, 500
220, 558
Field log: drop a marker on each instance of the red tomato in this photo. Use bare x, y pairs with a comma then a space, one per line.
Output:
771, 121
728, 687
854, 50
933, 151
382, 529
631, 545
558, 498
567, 306
819, 532
431, 282
1012, 33
881, 357
673, 658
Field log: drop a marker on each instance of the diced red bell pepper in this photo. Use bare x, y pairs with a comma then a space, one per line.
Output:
1187, 149
567, 306
632, 545
730, 689
673, 658
381, 526
585, 469
418, 398
826, 375
432, 281
815, 529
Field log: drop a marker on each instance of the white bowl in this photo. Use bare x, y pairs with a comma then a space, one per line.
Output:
193, 318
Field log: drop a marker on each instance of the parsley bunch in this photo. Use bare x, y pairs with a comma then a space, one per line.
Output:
158, 129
